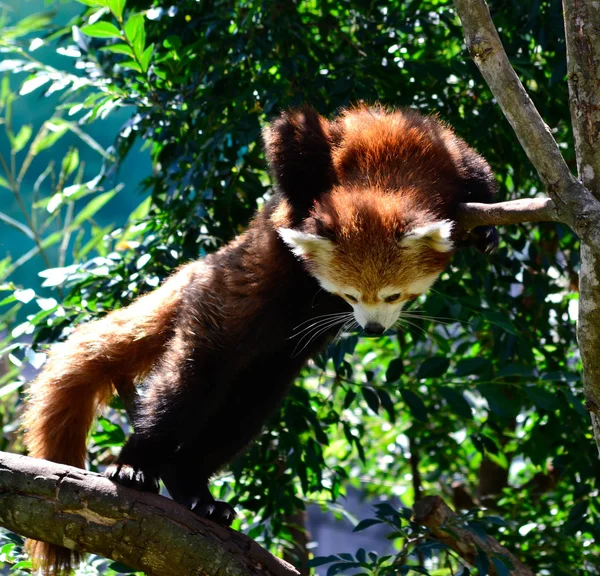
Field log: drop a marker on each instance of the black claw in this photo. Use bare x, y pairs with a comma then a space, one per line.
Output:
131, 477
485, 239
219, 512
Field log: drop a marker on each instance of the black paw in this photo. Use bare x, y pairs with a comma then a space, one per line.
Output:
217, 511
485, 239
131, 477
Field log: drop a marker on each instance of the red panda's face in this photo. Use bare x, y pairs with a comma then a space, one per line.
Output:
368, 199
376, 272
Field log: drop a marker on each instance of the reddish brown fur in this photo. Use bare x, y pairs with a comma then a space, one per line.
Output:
393, 171
78, 378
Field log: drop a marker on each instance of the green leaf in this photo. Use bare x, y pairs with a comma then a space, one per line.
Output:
102, 3
119, 49
141, 211
29, 24
394, 370
9, 388
33, 83
473, 366
116, 7
371, 398
321, 560
415, 404
54, 134
147, 57
136, 34
457, 402
350, 396
433, 367
93, 206
482, 562
21, 139
515, 370
131, 64
4, 183
101, 30
386, 402
70, 162
542, 398
498, 401
364, 524
337, 568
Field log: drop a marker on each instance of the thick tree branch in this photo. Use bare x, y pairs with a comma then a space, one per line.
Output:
582, 28
502, 213
433, 513
582, 32
574, 204
84, 511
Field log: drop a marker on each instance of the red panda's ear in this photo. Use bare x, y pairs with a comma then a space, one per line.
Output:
304, 244
436, 235
298, 148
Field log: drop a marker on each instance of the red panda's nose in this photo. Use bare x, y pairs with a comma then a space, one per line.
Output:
374, 328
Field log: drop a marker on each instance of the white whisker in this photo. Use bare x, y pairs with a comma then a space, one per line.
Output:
319, 323
310, 336
314, 318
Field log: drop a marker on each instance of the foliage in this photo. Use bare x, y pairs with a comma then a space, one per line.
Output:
479, 395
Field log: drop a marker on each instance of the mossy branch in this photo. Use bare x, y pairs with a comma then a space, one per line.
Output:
84, 511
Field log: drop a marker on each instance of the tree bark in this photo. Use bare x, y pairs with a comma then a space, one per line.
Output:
582, 32
503, 213
433, 513
86, 512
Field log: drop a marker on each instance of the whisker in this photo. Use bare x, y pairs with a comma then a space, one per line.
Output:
439, 320
310, 336
312, 304
421, 314
417, 327
319, 323
321, 317
345, 327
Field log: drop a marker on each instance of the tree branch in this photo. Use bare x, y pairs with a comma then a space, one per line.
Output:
574, 204
433, 513
512, 212
582, 22
84, 511
582, 33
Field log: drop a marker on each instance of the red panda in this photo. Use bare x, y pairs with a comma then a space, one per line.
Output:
361, 222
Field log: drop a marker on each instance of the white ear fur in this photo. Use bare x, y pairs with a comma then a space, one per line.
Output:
435, 235
303, 244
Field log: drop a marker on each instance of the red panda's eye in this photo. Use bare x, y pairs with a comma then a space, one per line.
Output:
353, 299
392, 298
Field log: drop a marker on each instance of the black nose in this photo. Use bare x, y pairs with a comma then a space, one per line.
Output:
374, 328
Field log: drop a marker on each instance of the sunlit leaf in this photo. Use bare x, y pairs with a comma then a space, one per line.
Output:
119, 49
33, 83
101, 30
21, 139
116, 7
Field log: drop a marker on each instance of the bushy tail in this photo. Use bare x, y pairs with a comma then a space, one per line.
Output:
78, 378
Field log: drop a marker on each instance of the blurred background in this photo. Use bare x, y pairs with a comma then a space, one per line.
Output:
130, 143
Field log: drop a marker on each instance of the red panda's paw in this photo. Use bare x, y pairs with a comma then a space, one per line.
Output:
485, 239
217, 511
131, 477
